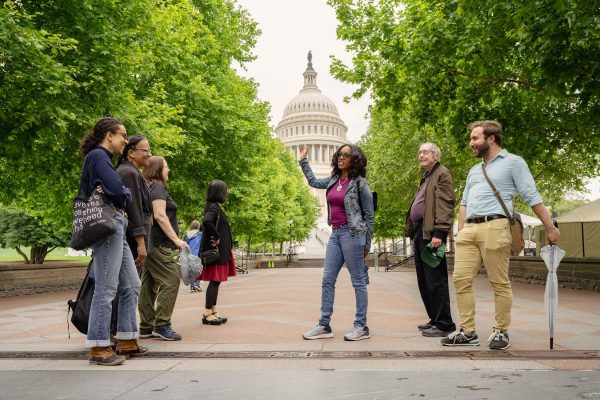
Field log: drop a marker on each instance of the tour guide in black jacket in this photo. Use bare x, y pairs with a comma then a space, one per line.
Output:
139, 211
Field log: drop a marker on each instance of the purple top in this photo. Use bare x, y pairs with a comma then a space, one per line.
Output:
418, 207
335, 198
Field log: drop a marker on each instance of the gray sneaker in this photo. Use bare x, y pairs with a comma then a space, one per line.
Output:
358, 333
319, 332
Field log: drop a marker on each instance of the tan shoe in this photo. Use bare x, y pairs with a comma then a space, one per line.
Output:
105, 356
130, 348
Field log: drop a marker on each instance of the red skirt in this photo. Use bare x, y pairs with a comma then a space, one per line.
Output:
218, 272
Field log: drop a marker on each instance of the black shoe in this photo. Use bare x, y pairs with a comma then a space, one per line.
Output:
145, 333
216, 321
434, 331
428, 325
499, 340
460, 338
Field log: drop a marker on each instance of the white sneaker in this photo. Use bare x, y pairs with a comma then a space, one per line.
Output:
358, 333
319, 332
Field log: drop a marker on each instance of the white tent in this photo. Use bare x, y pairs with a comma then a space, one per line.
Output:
579, 231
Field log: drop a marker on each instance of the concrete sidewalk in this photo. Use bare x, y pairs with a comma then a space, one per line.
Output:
268, 311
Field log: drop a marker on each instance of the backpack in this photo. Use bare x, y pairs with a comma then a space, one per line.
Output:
374, 194
80, 308
194, 242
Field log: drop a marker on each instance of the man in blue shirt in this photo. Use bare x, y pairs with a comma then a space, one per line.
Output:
484, 232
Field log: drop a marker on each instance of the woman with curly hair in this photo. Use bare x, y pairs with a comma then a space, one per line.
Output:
113, 267
350, 213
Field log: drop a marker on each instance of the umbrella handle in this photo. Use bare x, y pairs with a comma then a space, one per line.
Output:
551, 343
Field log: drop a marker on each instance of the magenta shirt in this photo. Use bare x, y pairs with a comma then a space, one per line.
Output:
336, 204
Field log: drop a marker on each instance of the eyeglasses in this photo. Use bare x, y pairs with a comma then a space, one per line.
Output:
344, 155
147, 151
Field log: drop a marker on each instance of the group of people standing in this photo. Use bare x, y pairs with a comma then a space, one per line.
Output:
137, 264
147, 237
483, 237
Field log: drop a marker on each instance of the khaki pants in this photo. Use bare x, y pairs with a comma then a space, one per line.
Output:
490, 243
161, 271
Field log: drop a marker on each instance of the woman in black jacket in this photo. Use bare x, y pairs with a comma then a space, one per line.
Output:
139, 212
217, 234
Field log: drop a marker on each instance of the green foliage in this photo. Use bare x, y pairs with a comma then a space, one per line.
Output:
432, 67
18, 229
165, 70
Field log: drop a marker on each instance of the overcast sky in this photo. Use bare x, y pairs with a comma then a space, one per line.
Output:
290, 28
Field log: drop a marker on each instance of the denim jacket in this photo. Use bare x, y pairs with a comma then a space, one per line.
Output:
356, 222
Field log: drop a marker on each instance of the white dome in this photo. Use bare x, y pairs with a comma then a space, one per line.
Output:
310, 100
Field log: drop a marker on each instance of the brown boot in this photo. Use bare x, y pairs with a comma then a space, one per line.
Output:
105, 356
130, 348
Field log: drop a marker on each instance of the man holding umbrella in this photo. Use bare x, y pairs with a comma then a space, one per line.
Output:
484, 231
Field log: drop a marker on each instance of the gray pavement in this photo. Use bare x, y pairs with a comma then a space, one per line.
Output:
260, 354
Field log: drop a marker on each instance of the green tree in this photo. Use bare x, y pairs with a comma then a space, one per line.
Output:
19, 229
163, 68
534, 66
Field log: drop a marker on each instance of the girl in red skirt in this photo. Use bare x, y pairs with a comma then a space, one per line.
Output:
217, 235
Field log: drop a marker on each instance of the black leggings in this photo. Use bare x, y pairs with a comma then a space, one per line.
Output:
212, 292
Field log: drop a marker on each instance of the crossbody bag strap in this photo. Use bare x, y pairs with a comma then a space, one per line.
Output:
496, 193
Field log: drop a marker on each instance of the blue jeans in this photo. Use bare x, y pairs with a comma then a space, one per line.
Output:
342, 247
113, 269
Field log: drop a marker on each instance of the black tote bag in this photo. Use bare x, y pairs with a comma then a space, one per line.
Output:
93, 220
82, 304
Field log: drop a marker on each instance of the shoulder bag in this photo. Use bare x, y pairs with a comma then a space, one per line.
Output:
93, 220
516, 225
213, 255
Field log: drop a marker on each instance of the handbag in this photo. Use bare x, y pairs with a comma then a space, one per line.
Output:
213, 255
83, 302
80, 307
516, 225
93, 220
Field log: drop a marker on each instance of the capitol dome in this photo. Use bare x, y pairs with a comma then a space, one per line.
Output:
312, 119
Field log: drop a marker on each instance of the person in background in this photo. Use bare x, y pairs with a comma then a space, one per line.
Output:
113, 266
193, 238
160, 268
350, 212
216, 234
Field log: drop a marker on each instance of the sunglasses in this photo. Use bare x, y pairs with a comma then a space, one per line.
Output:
343, 155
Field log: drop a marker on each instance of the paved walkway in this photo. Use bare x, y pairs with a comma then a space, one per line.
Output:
269, 310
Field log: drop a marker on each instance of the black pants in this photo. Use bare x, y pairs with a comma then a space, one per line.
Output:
433, 286
212, 292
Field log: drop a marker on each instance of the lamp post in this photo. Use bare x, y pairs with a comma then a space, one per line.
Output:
289, 255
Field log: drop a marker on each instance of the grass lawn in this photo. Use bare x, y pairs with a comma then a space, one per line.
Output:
56, 254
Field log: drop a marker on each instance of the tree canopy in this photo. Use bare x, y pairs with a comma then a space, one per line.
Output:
166, 70
433, 67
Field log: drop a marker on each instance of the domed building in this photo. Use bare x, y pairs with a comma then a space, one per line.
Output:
312, 119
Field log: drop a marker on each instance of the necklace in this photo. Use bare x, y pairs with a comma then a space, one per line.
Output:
340, 183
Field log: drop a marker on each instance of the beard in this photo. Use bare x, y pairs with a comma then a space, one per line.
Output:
482, 150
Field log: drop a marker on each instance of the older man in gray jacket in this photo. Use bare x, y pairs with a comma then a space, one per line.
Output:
429, 220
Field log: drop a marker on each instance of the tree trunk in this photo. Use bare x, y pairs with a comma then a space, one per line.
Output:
280, 248
38, 254
18, 249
